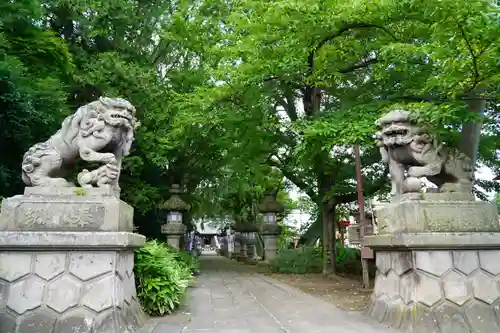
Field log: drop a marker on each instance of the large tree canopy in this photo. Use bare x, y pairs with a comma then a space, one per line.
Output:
234, 95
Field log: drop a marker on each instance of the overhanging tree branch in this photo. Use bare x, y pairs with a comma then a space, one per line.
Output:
357, 66
294, 178
345, 28
475, 69
369, 190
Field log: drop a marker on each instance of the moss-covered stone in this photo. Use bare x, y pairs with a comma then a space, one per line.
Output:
270, 229
245, 227
175, 203
270, 205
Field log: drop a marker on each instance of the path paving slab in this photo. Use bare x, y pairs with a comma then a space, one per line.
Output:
230, 298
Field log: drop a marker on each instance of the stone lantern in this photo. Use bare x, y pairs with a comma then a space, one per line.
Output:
270, 207
251, 242
174, 207
240, 248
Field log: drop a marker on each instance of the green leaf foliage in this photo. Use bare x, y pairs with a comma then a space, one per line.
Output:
163, 276
308, 259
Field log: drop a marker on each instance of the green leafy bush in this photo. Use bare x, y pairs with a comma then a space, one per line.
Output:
187, 261
162, 277
309, 260
348, 259
298, 261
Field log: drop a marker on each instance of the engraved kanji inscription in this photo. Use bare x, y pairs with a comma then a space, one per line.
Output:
67, 216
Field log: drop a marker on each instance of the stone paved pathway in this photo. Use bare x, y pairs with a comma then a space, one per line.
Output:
229, 298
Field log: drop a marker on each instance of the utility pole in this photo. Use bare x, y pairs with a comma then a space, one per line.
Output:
366, 253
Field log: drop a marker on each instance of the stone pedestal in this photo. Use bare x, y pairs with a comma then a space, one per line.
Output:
243, 249
269, 233
440, 273
79, 279
251, 257
225, 246
237, 245
230, 245
174, 231
66, 209
437, 212
270, 247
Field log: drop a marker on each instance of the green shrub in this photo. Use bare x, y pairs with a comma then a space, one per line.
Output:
187, 261
162, 277
298, 261
348, 259
309, 260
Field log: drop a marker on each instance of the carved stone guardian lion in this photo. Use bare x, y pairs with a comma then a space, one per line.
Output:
413, 153
101, 131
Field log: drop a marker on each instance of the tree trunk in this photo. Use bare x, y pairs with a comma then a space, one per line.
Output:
326, 222
333, 240
471, 132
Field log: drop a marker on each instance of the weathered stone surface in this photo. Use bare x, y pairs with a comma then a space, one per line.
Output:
89, 133
412, 152
84, 210
49, 265
47, 291
36, 240
4, 292
465, 261
383, 262
78, 320
451, 319
135, 312
407, 287
435, 240
401, 262
7, 322
394, 314
122, 265
451, 282
481, 318
98, 295
111, 322
428, 290
270, 246
63, 293
173, 228
433, 262
418, 318
174, 241
379, 309
26, 294
41, 321
59, 216
14, 265
119, 293
489, 261
485, 288
423, 299
455, 288
392, 284
270, 229
380, 284
419, 216
89, 265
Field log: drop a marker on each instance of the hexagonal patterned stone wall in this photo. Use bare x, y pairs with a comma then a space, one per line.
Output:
69, 291
438, 291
